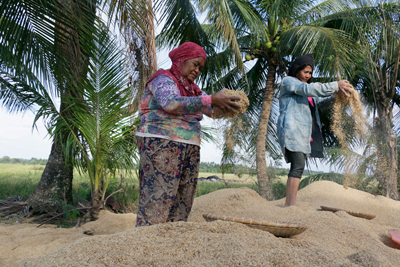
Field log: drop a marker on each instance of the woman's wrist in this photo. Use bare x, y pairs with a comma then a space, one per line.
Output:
207, 100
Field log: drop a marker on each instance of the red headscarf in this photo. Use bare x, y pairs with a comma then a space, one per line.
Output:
183, 52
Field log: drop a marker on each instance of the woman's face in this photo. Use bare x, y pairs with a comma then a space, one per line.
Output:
305, 74
191, 68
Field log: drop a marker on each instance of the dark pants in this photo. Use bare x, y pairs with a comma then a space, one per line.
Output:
297, 163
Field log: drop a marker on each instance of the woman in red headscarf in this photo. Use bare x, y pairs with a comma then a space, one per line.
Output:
169, 136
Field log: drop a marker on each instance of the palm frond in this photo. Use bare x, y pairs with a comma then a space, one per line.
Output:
27, 43
32, 34
131, 16
207, 134
181, 25
221, 17
324, 41
324, 9
22, 93
346, 160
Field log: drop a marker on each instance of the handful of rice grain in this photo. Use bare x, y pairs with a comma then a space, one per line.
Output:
244, 102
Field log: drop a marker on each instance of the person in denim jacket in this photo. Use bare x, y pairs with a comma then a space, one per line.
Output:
299, 127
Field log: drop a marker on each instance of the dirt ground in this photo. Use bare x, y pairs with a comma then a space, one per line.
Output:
332, 239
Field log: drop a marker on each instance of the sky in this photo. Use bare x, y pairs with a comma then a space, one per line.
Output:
19, 140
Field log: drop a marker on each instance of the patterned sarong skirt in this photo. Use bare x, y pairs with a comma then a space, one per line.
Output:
168, 175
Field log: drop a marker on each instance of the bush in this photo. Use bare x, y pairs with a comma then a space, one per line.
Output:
279, 189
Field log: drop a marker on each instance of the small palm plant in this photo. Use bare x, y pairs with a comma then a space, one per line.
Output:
102, 143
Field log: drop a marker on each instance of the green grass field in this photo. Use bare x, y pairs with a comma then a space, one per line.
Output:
20, 180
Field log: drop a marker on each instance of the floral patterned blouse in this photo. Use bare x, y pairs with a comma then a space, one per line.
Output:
164, 113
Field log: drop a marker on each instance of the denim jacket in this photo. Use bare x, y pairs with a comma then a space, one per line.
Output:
295, 121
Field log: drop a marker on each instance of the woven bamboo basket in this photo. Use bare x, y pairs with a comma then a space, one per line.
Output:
280, 229
353, 213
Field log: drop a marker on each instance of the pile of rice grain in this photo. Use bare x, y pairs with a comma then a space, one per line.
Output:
332, 239
244, 102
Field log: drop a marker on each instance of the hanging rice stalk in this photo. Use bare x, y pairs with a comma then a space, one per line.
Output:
345, 124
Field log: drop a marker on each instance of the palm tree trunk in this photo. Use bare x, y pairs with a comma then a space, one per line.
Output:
146, 59
387, 147
264, 182
151, 41
55, 186
97, 204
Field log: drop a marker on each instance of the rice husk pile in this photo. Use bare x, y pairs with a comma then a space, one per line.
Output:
332, 239
342, 123
244, 102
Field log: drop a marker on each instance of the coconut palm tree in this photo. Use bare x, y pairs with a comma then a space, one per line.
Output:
269, 32
45, 49
382, 61
41, 35
376, 26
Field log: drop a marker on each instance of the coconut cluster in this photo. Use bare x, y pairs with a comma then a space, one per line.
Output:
244, 102
271, 45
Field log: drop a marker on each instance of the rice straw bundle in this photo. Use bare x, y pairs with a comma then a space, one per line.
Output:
342, 121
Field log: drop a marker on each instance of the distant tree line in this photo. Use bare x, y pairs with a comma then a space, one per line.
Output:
7, 159
237, 169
